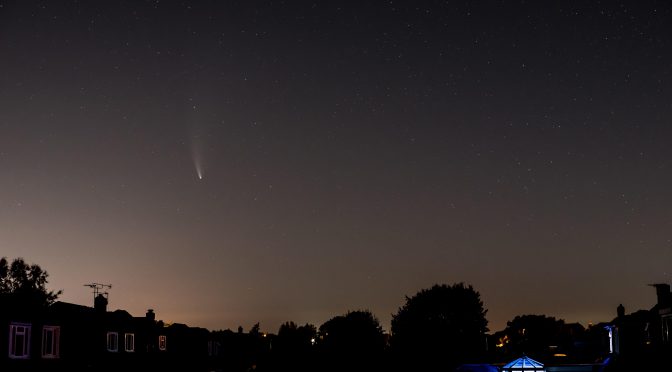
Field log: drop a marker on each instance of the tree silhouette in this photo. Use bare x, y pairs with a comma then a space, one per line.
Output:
531, 334
292, 338
25, 283
353, 341
440, 327
536, 335
255, 329
293, 347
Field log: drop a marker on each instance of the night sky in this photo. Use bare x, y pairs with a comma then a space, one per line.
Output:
234, 162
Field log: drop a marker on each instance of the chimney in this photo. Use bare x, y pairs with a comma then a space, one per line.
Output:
150, 315
100, 304
620, 311
663, 294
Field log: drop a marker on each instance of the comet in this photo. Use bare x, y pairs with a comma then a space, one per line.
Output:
196, 156
197, 141
197, 165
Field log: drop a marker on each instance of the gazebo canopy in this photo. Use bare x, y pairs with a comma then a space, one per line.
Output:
524, 364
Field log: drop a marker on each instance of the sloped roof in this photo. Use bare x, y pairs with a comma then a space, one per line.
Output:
67, 307
524, 363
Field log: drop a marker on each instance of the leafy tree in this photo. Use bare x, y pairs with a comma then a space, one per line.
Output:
287, 327
352, 341
537, 335
293, 348
440, 327
25, 283
255, 330
293, 338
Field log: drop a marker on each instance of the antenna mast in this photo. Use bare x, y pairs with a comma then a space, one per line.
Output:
97, 287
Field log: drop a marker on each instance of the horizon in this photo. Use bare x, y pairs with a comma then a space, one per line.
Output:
272, 329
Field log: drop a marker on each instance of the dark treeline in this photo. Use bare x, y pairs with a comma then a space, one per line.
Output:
438, 328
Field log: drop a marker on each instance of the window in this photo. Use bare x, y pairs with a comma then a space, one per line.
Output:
211, 348
19, 341
112, 342
667, 328
162, 343
214, 348
129, 342
50, 341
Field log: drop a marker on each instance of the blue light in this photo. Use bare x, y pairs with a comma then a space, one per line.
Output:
524, 364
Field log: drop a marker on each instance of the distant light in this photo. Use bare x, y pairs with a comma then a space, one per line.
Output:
559, 355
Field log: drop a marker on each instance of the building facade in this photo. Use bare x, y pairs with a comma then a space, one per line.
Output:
70, 336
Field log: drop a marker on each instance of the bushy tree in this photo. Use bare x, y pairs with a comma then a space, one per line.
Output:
353, 341
537, 335
26, 283
293, 338
293, 348
440, 327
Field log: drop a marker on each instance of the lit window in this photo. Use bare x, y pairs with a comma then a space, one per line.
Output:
19, 341
50, 341
162, 343
129, 342
112, 342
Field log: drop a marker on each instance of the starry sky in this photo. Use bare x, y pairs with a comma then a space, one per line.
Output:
234, 162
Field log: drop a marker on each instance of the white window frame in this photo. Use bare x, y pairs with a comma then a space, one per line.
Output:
112, 347
23, 331
129, 342
162, 343
666, 321
55, 332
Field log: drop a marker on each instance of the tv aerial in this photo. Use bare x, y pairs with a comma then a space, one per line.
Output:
98, 289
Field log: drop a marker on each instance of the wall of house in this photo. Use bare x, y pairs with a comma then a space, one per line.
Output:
82, 341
